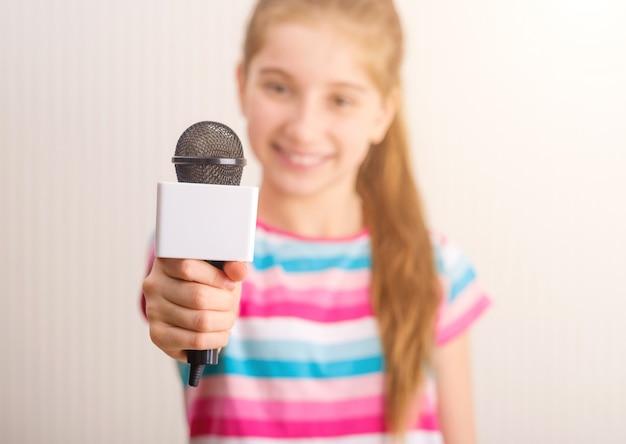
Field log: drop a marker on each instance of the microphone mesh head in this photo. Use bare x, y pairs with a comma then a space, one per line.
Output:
209, 139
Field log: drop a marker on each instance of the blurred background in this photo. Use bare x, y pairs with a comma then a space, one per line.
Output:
517, 114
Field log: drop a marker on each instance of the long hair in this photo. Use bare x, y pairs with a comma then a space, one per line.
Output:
404, 290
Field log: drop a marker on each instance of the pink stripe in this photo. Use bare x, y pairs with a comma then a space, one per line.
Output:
437, 237
450, 311
427, 421
201, 426
290, 411
288, 389
320, 297
338, 279
305, 311
460, 324
208, 418
285, 429
424, 409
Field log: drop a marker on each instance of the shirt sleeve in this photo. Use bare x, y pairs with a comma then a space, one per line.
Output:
463, 298
149, 262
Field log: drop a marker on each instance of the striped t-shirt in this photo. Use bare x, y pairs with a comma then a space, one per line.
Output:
304, 361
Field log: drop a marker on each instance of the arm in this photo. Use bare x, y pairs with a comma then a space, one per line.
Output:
454, 391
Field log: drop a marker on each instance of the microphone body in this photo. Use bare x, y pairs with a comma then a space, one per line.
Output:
200, 221
206, 214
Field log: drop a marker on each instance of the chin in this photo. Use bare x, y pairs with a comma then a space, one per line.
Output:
295, 188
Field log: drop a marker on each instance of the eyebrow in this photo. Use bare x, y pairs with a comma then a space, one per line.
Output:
272, 70
340, 84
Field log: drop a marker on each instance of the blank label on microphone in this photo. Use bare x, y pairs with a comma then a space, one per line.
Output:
203, 221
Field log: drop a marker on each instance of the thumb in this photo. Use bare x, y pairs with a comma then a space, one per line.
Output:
236, 271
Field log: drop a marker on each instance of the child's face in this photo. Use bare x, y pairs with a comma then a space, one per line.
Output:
312, 110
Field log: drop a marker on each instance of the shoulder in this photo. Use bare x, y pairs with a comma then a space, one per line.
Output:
453, 265
463, 298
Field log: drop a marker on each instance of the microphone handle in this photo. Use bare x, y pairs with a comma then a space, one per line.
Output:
199, 358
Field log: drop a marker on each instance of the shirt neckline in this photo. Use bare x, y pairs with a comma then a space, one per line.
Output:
271, 229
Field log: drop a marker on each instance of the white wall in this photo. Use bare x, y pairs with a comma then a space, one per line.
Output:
518, 117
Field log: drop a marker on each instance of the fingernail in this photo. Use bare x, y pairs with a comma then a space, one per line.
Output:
230, 285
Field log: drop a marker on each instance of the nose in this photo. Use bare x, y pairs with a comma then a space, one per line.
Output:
306, 120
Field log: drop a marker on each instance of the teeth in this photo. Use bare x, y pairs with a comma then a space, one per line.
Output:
304, 159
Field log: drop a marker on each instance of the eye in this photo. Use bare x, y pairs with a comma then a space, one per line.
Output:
277, 88
341, 101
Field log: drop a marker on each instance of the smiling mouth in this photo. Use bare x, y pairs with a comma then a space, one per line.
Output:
302, 160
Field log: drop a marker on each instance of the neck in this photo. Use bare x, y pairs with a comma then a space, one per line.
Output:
332, 215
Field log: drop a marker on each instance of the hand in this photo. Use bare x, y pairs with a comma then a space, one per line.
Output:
191, 305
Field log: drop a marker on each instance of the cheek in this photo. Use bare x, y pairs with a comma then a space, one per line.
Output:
255, 135
261, 114
361, 154
356, 140
257, 122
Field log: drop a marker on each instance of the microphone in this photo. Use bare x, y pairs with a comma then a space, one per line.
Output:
206, 214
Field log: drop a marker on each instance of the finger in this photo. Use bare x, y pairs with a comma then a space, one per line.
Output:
203, 321
195, 270
174, 340
195, 296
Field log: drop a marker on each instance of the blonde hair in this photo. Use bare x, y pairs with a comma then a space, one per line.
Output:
404, 289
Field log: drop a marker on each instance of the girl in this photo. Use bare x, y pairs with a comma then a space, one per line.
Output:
350, 326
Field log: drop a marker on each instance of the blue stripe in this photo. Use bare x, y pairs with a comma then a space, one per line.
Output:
303, 256
292, 249
299, 265
459, 274
460, 281
183, 370
439, 263
290, 369
296, 351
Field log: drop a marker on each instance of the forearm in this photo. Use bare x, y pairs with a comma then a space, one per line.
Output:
454, 392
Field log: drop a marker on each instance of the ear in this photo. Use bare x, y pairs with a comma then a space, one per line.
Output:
241, 87
388, 109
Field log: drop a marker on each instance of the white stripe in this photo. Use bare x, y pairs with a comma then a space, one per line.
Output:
292, 389
415, 437
295, 329
450, 255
